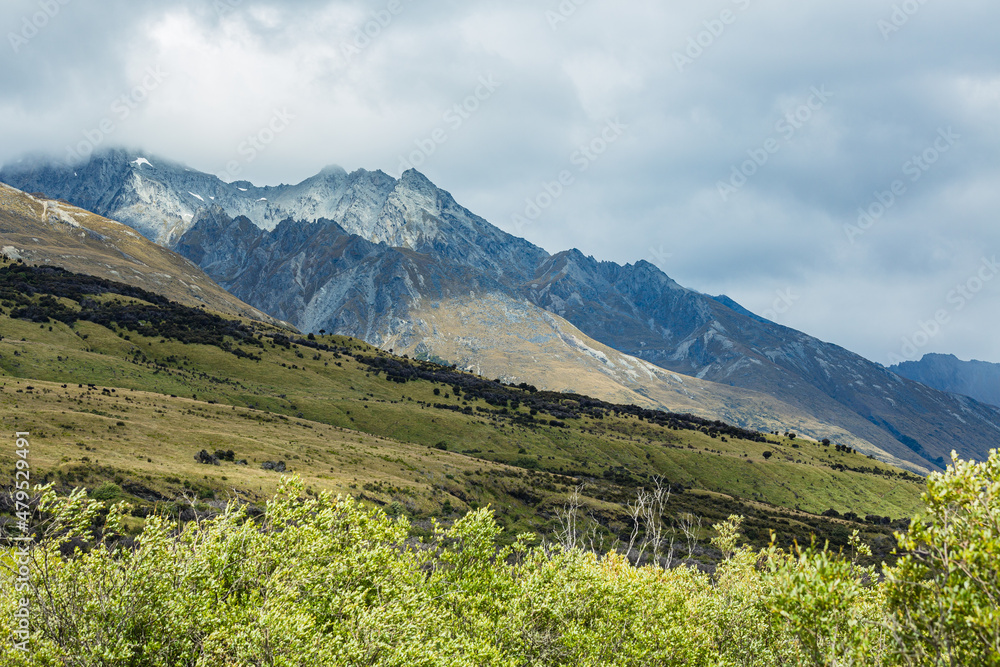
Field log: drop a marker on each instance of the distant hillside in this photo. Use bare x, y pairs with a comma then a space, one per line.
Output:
55, 233
946, 372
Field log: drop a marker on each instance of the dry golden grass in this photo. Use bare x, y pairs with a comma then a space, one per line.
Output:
149, 440
55, 233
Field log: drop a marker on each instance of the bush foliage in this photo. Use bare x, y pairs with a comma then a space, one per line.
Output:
326, 581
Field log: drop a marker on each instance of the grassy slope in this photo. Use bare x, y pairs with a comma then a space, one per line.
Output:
349, 397
342, 427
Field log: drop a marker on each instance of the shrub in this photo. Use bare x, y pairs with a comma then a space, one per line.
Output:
106, 491
945, 592
326, 581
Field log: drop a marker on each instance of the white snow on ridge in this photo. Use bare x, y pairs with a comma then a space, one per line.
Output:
198, 197
242, 189
262, 199
139, 162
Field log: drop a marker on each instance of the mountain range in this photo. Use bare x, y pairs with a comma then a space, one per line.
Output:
42, 231
400, 264
946, 372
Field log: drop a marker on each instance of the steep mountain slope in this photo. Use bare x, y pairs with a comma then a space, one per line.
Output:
408, 243
642, 312
499, 336
44, 231
946, 372
318, 275
324, 278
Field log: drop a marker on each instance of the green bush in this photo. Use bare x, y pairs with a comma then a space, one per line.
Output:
326, 581
945, 592
107, 491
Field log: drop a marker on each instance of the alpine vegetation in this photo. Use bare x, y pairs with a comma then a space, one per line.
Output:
323, 580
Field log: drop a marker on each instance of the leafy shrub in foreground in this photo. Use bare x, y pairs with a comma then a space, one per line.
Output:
945, 593
326, 581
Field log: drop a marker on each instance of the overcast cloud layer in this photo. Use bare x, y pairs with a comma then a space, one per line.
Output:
805, 111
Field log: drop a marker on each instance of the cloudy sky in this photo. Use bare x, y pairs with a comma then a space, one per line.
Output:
733, 143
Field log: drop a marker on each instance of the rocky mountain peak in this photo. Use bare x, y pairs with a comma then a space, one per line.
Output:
333, 171
416, 181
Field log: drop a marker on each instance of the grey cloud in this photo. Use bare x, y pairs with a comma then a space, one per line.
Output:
653, 193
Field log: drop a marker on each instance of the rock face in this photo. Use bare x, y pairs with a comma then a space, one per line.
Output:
321, 277
367, 255
946, 372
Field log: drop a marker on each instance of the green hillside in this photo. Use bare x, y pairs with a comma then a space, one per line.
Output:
121, 389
